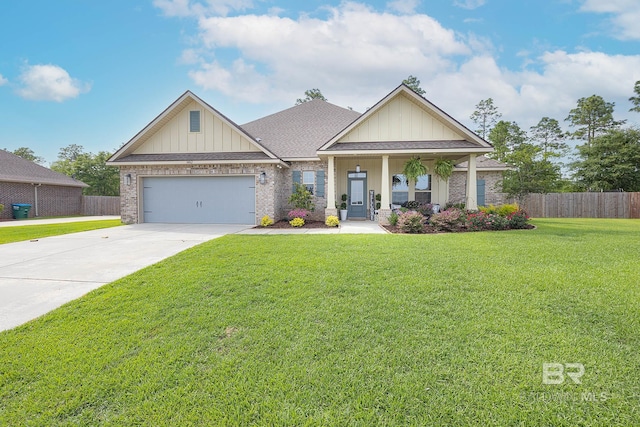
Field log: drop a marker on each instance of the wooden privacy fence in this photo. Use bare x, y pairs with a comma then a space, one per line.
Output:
583, 205
100, 205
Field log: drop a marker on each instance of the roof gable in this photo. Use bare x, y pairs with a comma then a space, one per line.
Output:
16, 169
169, 134
405, 116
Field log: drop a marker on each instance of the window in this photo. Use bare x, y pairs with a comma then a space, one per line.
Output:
194, 121
308, 180
399, 189
423, 189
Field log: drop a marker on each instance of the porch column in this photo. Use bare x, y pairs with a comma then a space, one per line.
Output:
472, 185
384, 188
331, 188
331, 183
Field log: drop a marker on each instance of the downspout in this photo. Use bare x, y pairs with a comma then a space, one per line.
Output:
35, 190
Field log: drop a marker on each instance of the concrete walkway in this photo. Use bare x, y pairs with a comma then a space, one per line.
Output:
37, 221
40, 275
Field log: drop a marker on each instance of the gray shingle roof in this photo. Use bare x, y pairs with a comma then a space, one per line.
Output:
243, 156
299, 131
402, 145
483, 162
16, 169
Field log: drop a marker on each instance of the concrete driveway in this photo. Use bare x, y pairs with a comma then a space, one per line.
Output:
38, 276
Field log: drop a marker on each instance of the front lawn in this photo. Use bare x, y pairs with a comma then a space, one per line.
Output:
447, 329
38, 231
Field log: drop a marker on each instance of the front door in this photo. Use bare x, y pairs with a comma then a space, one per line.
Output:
357, 187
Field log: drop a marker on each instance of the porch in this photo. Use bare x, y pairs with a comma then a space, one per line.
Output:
362, 178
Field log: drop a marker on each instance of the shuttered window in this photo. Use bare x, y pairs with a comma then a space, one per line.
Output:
320, 183
194, 121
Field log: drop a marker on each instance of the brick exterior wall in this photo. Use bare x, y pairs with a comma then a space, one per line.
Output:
53, 200
284, 190
493, 180
131, 195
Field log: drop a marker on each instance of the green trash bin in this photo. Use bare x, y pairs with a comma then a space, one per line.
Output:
21, 210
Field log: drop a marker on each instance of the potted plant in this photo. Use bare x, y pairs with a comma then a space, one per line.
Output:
443, 168
378, 199
343, 208
413, 169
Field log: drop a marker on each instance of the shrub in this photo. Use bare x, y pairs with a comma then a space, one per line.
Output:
332, 221
393, 219
298, 213
449, 220
297, 222
411, 222
497, 222
477, 221
1, 207
266, 221
518, 220
301, 198
425, 209
502, 210
411, 204
450, 205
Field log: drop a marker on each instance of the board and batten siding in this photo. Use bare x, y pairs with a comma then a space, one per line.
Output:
401, 120
214, 136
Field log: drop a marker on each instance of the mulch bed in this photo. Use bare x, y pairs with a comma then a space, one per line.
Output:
427, 229
307, 224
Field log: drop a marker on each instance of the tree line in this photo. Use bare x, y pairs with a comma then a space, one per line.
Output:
89, 168
608, 159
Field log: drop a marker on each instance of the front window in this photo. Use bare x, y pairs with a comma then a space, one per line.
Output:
308, 180
399, 189
423, 189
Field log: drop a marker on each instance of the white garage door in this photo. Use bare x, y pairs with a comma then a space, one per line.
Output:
200, 200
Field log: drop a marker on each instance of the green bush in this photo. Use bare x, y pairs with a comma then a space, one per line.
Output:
297, 222
497, 222
301, 198
393, 219
411, 222
332, 221
518, 220
503, 210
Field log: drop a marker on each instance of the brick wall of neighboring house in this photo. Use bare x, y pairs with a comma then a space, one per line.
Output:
493, 180
53, 200
284, 191
130, 198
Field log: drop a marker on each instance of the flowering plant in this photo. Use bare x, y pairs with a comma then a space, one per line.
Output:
411, 222
298, 213
266, 221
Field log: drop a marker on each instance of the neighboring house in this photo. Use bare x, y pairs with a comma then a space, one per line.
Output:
49, 193
192, 164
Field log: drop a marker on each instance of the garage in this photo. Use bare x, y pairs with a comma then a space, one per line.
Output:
199, 200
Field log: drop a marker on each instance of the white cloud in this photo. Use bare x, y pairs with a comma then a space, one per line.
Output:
625, 16
49, 83
356, 55
403, 6
3, 80
469, 4
354, 44
195, 8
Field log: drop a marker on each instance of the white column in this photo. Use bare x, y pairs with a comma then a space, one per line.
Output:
384, 190
472, 185
331, 183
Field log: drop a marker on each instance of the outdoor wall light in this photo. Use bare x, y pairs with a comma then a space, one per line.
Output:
263, 177
358, 168
127, 179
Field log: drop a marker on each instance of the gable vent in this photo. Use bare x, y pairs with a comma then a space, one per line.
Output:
194, 121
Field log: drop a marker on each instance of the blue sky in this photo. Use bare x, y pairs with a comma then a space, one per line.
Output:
94, 73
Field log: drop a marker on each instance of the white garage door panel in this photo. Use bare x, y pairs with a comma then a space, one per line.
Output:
199, 200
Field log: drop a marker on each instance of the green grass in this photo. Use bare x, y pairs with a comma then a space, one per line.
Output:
28, 232
448, 329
